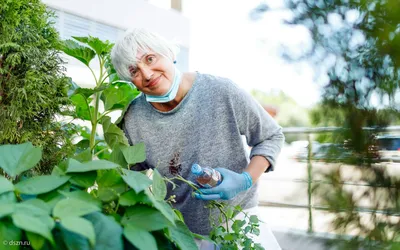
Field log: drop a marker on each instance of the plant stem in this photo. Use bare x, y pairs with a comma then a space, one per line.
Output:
96, 109
104, 114
116, 208
101, 151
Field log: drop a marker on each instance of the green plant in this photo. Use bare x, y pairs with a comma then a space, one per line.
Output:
109, 90
33, 87
229, 232
124, 209
237, 236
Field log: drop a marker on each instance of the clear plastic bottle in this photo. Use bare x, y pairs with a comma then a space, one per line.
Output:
206, 177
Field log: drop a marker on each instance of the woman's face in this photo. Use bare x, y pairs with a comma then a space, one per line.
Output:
153, 74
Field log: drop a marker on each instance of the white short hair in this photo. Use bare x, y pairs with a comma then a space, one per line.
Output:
123, 54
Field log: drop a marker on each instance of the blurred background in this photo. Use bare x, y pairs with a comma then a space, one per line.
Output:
327, 71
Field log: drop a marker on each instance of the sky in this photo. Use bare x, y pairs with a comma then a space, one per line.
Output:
225, 42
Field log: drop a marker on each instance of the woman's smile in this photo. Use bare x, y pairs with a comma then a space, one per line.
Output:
152, 83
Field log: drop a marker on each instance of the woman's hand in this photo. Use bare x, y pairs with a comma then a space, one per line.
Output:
232, 184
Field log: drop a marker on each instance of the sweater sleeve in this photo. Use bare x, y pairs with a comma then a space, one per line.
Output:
262, 132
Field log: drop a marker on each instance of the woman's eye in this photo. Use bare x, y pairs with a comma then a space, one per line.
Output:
133, 71
151, 59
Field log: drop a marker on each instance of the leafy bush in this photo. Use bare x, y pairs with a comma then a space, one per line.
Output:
33, 87
124, 208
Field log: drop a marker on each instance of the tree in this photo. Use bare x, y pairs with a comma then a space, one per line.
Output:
33, 87
289, 113
358, 41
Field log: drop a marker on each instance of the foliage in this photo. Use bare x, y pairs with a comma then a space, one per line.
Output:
240, 234
289, 114
113, 93
228, 230
358, 42
33, 87
125, 210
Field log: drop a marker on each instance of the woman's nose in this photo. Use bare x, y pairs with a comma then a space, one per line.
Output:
147, 72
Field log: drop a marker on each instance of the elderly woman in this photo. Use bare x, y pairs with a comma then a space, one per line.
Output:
187, 118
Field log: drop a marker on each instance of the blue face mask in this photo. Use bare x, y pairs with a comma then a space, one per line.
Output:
171, 94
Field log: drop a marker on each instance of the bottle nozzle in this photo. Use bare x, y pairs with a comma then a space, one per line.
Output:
196, 169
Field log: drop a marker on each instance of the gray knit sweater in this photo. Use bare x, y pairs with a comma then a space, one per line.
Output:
205, 128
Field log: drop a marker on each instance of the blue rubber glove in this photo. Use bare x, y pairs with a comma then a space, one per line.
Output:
232, 184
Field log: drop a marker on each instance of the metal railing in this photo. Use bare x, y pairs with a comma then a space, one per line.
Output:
310, 181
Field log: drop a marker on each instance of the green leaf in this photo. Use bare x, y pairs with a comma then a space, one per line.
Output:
16, 159
36, 240
179, 215
182, 236
229, 212
53, 197
40, 184
76, 167
118, 157
163, 242
73, 207
254, 219
106, 239
118, 95
61, 168
82, 109
247, 243
77, 51
158, 187
112, 134
72, 240
140, 238
84, 156
237, 225
135, 153
8, 197
57, 171
85, 92
145, 217
5, 185
80, 226
162, 206
82, 145
202, 237
6, 209
33, 224
84, 180
83, 196
99, 46
136, 180
110, 184
9, 232
131, 198
229, 237
34, 206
